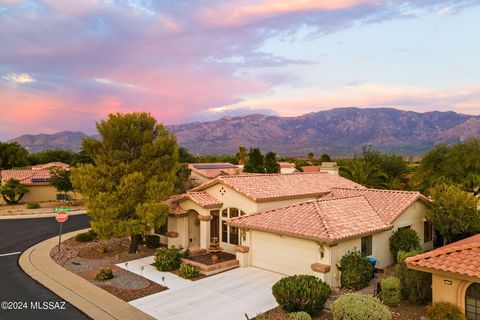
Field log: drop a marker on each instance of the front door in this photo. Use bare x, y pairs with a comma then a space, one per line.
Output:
472, 302
193, 229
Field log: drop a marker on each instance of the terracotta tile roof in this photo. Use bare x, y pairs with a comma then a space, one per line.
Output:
286, 165
203, 199
326, 220
311, 168
390, 204
267, 187
50, 165
461, 257
27, 177
214, 169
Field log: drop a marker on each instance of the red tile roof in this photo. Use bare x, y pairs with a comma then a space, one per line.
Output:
311, 168
216, 169
268, 187
390, 204
287, 165
27, 177
461, 257
203, 199
326, 220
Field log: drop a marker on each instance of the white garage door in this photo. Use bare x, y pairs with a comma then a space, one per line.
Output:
283, 254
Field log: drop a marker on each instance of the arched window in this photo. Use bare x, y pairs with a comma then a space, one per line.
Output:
472, 302
230, 234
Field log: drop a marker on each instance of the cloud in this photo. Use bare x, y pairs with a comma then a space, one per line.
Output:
19, 78
443, 11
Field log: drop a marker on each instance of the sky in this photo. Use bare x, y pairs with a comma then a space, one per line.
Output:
66, 64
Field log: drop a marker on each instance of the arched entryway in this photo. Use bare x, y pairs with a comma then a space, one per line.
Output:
193, 229
472, 302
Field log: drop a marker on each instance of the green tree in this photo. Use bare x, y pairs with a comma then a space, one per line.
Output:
325, 158
134, 169
271, 164
12, 155
364, 173
394, 166
241, 155
184, 156
254, 163
311, 158
454, 214
60, 179
12, 191
182, 180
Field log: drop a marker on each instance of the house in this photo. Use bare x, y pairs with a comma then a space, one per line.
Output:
36, 180
294, 223
455, 270
202, 172
310, 168
327, 167
287, 167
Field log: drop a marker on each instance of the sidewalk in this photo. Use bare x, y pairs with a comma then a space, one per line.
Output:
39, 215
93, 301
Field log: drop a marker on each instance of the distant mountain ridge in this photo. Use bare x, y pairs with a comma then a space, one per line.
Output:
337, 132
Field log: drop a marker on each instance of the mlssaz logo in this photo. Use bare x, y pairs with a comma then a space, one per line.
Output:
47, 305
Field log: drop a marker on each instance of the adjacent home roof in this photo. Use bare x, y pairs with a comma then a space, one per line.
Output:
214, 169
50, 165
390, 204
203, 199
270, 187
27, 177
287, 165
327, 220
311, 168
461, 257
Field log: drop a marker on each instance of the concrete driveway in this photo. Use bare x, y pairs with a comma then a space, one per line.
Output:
228, 295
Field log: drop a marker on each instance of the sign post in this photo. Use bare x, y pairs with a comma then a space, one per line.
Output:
61, 215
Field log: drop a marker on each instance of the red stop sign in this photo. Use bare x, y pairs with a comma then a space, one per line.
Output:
61, 216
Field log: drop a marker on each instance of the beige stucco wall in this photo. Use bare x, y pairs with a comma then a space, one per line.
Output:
43, 193
197, 179
451, 288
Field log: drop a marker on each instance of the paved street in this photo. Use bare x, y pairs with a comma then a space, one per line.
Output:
15, 286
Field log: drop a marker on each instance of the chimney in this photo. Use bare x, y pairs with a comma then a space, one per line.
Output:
329, 167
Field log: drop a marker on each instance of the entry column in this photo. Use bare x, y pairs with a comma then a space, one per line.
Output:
204, 230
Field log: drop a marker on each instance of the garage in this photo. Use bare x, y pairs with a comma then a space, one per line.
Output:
282, 254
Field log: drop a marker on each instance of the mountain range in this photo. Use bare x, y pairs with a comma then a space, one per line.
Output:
337, 132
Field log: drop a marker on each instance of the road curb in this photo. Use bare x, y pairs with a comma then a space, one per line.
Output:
90, 299
40, 215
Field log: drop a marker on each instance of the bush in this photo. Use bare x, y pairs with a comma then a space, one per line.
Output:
260, 316
301, 293
301, 315
405, 239
356, 271
353, 306
444, 311
33, 205
390, 291
188, 271
104, 274
92, 233
416, 286
167, 259
152, 241
84, 237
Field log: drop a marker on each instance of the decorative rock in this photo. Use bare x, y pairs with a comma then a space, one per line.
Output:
319, 267
242, 249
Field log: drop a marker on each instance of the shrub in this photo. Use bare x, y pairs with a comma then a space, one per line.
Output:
188, 271
356, 271
416, 286
92, 233
301, 315
301, 293
404, 240
260, 316
33, 205
167, 259
353, 306
104, 274
390, 291
84, 237
444, 311
152, 241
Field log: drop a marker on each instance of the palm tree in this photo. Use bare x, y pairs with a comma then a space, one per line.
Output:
241, 155
364, 173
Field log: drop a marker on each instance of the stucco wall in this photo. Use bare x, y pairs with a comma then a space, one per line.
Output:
43, 193
443, 291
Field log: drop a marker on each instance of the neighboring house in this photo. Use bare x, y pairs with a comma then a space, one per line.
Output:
294, 223
36, 180
287, 167
202, 172
455, 270
327, 167
310, 168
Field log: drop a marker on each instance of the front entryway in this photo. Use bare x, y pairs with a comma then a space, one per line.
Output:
193, 229
472, 302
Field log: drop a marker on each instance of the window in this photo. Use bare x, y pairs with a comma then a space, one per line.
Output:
427, 231
224, 232
162, 230
233, 212
225, 213
234, 235
472, 302
367, 246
